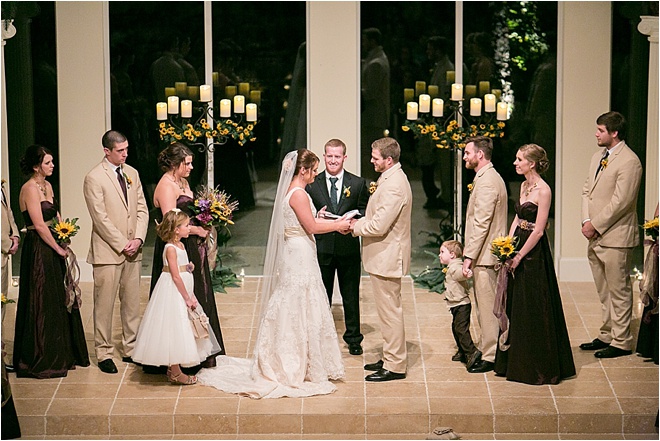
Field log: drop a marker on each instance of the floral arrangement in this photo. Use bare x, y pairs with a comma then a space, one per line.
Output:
213, 208
504, 247
224, 128
372, 187
347, 192
453, 135
64, 230
651, 228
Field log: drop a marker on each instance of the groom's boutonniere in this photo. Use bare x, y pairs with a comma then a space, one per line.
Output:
470, 187
603, 163
347, 192
128, 180
372, 187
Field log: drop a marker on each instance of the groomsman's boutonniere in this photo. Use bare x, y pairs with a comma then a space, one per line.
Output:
444, 270
603, 163
470, 187
128, 180
347, 192
372, 187
4, 182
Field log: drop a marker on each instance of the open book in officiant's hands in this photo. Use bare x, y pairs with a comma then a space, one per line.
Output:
349, 215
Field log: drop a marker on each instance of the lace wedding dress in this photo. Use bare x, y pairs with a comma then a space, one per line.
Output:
297, 349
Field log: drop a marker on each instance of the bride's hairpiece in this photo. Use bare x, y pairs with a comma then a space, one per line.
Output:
287, 164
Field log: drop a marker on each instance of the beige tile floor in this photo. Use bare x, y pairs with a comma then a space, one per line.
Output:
608, 399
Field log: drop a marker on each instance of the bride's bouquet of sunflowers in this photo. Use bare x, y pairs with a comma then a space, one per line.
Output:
504, 247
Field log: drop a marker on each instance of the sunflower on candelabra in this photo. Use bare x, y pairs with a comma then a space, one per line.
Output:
224, 128
453, 135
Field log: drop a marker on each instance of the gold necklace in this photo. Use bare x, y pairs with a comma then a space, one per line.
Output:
182, 187
530, 188
42, 188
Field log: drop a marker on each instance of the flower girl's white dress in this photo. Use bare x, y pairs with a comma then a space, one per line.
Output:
165, 336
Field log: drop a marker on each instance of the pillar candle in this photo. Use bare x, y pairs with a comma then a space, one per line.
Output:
424, 103
161, 111
255, 97
438, 107
239, 104
170, 91
420, 87
205, 93
193, 93
433, 90
186, 109
408, 95
244, 89
484, 87
230, 92
502, 111
475, 107
225, 108
411, 114
216, 79
470, 91
489, 102
451, 76
251, 112
456, 92
173, 105
181, 89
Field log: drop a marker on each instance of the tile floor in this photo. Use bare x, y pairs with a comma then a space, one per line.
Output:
608, 399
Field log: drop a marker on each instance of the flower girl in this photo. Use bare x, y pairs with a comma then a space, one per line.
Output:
166, 337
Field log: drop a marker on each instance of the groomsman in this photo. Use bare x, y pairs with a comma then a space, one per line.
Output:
385, 230
609, 222
10, 239
116, 204
485, 219
340, 192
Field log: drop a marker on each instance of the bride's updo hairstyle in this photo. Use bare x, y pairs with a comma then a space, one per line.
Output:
306, 159
173, 155
536, 154
33, 157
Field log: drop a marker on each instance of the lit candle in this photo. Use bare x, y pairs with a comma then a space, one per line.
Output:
420, 87
408, 95
251, 112
225, 108
230, 92
181, 89
433, 90
205, 93
489, 102
239, 104
255, 97
451, 76
186, 109
161, 111
411, 115
497, 93
502, 111
216, 79
193, 93
170, 91
470, 91
172, 105
438, 107
424, 103
484, 87
475, 107
244, 89
456, 92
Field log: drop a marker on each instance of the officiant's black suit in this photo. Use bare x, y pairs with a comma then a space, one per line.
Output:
341, 253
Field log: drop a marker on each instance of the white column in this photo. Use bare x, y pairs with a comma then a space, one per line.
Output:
8, 31
649, 26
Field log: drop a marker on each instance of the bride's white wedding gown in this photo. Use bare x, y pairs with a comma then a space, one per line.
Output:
297, 349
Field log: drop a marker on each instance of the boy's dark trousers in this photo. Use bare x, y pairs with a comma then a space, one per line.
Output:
460, 327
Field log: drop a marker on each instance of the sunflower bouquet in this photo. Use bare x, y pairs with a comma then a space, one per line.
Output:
64, 230
504, 247
651, 228
212, 207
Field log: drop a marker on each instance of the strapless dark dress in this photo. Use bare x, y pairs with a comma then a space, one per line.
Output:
197, 253
540, 351
48, 340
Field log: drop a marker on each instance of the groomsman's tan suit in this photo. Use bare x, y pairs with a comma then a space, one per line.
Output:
609, 200
385, 229
485, 219
115, 222
10, 234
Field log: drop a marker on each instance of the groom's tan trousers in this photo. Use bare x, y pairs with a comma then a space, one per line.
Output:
485, 286
387, 294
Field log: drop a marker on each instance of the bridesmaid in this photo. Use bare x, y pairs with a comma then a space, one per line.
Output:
173, 191
49, 340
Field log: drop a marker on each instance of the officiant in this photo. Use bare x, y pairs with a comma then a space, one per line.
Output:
341, 192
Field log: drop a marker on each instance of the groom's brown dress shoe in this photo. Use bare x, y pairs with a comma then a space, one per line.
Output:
384, 375
374, 366
594, 345
611, 352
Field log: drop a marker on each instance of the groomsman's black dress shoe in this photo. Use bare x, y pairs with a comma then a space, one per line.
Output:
10, 368
384, 375
473, 359
354, 349
594, 345
459, 356
481, 366
611, 352
108, 366
374, 366
130, 360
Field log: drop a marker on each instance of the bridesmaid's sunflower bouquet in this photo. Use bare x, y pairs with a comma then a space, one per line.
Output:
651, 228
504, 247
212, 207
64, 230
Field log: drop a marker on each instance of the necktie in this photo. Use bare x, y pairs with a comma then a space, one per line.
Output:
600, 165
333, 193
122, 183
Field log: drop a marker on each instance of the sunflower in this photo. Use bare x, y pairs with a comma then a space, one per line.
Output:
64, 230
506, 250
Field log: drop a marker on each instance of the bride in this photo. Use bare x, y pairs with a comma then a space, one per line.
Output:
297, 350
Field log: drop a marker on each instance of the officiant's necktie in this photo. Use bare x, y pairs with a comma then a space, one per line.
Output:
600, 165
122, 183
333, 193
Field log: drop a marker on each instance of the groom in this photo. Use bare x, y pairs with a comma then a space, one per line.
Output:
341, 192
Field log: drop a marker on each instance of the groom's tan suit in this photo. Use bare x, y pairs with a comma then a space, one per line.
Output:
115, 222
609, 200
486, 219
385, 229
